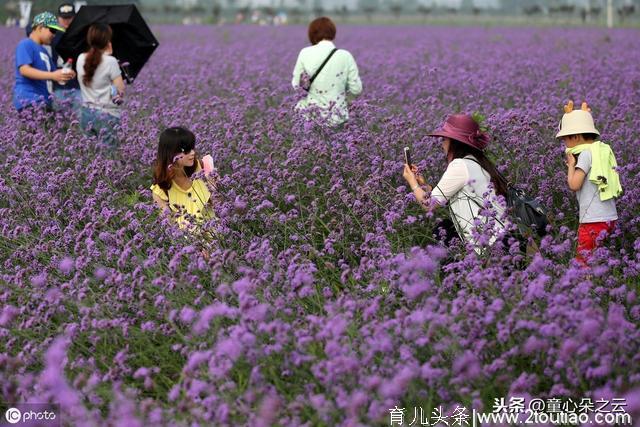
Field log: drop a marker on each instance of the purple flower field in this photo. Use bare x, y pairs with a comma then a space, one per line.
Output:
323, 300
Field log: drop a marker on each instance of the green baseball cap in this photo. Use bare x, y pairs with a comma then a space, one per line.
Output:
47, 19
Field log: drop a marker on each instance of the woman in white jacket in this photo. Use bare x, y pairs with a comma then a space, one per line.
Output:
470, 181
339, 75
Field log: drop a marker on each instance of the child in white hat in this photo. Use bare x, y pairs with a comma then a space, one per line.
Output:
588, 157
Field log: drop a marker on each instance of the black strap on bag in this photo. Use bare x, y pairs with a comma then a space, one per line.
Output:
335, 49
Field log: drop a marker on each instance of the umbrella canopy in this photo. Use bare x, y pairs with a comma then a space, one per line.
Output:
133, 42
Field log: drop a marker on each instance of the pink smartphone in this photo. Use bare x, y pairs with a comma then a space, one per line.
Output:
207, 164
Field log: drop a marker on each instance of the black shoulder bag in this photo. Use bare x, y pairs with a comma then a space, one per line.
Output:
308, 87
527, 213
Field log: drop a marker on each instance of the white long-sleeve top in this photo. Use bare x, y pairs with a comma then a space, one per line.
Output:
464, 185
329, 89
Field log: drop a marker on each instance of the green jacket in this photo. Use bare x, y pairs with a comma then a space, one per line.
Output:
603, 168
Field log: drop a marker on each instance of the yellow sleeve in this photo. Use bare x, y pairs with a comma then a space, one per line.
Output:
155, 188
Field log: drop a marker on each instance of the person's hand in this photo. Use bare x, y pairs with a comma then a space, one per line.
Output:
419, 177
62, 76
571, 160
409, 176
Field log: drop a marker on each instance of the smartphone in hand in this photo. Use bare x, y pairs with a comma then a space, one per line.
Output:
407, 156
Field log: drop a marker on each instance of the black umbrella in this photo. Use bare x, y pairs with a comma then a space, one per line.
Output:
133, 42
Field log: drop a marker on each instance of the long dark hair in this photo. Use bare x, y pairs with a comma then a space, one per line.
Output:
173, 140
98, 37
458, 150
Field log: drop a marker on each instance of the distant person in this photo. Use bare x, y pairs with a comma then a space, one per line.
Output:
66, 14
35, 70
471, 180
175, 189
101, 85
591, 173
70, 91
338, 76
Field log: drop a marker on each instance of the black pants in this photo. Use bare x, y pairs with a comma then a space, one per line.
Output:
446, 231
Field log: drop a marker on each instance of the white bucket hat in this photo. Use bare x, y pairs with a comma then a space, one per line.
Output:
575, 122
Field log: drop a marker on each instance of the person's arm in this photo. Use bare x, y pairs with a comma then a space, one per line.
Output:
415, 181
423, 197
162, 204
297, 71
118, 82
452, 181
34, 74
161, 197
354, 84
115, 74
575, 175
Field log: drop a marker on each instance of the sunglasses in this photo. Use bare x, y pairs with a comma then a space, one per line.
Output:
53, 30
184, 150
187, 148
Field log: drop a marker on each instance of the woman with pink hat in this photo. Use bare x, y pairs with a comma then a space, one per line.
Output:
465, 185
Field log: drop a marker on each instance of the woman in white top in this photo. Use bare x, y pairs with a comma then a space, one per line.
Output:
339, 76
98, 71
465, 185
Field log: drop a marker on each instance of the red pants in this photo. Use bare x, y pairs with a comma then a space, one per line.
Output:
590, 236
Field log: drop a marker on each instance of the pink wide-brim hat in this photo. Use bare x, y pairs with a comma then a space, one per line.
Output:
464, 129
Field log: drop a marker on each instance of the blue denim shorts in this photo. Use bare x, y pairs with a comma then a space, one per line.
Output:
100, 124
63, 98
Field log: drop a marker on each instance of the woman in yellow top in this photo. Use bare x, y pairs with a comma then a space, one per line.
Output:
173, 188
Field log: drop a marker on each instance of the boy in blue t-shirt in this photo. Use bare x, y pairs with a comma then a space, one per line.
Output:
70, 91
34, 64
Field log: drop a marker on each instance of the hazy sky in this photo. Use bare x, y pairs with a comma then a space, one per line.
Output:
353, 4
